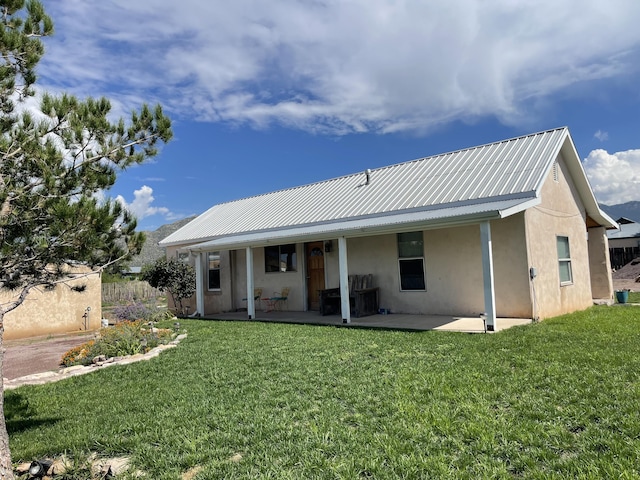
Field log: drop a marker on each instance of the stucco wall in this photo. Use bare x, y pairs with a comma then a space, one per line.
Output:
453, 270
560, 213
600, 264
55, 311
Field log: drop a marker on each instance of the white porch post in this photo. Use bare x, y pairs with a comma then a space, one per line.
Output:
199, 286
344, 280
487, 275
251, 302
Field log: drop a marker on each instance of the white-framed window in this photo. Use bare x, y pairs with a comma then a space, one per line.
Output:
280, 258
213, 266
411, 261
564, 260
182, 257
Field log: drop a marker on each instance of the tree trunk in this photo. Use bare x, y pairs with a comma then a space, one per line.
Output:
6, 468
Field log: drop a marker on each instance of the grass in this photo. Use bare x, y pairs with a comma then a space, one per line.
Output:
634, 297
557, 399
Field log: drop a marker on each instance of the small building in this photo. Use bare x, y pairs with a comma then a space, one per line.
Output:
624, 244
507, 229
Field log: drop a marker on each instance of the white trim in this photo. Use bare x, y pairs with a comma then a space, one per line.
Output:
344, 280
251, 302
398, 223
487, 276
199, 285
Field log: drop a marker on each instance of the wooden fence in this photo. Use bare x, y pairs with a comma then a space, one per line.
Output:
123, 292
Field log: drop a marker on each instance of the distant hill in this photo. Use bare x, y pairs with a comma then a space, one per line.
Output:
150, 250
630, 210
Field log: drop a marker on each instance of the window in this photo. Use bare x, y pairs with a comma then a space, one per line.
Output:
564, 260
411, 261
280, 258
214, 270
183, 257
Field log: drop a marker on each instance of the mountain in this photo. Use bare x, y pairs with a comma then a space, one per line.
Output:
630, 210
150, 250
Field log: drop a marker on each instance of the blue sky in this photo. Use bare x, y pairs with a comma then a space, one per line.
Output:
271, 95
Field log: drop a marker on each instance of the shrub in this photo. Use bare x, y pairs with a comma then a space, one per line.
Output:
133, 311
126, 338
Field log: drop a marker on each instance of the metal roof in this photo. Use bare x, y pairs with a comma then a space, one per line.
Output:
627, 230
467, 182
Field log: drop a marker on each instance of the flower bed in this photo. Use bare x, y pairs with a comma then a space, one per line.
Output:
125, 338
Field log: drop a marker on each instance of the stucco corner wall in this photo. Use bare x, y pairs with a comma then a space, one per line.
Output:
55, 311
560, 213
600, 264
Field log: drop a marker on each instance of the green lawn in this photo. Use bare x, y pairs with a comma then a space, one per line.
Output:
559, 399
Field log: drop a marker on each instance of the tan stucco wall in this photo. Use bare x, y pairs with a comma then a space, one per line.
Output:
600, 264
56, 311
453, 270
274, 282
560, 213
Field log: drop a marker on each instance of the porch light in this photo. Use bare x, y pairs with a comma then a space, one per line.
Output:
39, 468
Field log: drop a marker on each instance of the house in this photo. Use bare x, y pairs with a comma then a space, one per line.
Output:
508, 229
624, 244
72, 306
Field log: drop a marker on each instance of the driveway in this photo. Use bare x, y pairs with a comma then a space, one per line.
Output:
39, 354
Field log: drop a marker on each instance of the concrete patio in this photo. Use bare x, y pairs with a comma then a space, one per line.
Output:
390, 321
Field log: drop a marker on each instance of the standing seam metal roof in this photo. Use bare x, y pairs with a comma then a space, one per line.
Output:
508, 169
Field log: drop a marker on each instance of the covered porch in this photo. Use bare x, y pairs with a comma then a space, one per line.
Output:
391, 321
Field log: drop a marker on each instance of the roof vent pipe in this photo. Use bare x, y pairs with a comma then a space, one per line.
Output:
367, 172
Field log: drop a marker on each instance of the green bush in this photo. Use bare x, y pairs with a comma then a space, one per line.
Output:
125, 338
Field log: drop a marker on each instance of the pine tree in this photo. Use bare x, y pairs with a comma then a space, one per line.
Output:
53, 164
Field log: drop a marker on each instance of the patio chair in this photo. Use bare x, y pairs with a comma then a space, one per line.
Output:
278, 299
257, 297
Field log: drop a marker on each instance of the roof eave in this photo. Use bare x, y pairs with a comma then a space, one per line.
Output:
353, 229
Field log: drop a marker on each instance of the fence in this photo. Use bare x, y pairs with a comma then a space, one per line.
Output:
128, 291
621, 256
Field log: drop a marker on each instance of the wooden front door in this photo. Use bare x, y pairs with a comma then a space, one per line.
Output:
315, 273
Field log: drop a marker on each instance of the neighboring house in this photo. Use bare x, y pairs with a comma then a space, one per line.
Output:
509, 229
624, 244
72, 306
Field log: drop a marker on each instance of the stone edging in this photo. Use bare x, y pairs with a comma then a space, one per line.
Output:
55, 375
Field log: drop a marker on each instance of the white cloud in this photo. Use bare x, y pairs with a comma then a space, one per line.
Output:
335, 66
614, 177
142, 207
602, 136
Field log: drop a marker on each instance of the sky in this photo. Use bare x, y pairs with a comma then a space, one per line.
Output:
266, 95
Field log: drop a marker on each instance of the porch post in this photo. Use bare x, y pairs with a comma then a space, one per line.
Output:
199, 286
251, 302
487, 275
345, 307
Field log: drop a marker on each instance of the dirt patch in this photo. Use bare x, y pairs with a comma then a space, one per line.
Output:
38, 355
630, 271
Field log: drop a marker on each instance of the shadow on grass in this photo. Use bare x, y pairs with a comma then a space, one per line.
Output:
16, 411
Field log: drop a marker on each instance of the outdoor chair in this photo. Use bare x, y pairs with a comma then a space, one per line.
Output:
278, 300
363, 297
257, 297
